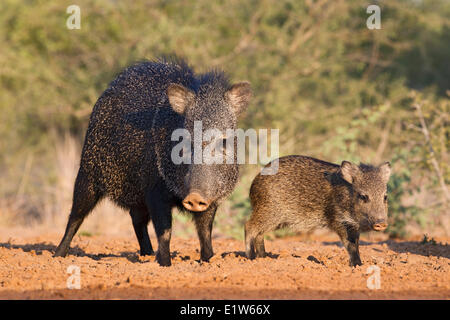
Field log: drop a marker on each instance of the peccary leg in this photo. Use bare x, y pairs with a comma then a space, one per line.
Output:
204, 223
140, 218
84, 200
254, 239
259, 246
350, 239
160, 209
163, 229
249, 241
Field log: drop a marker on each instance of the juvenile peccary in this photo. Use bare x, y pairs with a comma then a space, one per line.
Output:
307, 193
128, 146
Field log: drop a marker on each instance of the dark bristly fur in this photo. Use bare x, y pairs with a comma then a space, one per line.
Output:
127, 151
307, 193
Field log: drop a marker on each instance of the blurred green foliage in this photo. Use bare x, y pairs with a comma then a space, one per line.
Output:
399, 185
335, 89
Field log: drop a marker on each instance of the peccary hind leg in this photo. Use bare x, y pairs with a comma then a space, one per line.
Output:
249, 242
140, 218
254, 241
84, 200
204, 223
259, 246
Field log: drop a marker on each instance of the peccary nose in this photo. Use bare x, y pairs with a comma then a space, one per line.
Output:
380, 225
195, 202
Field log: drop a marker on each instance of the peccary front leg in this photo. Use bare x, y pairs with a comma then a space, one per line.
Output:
140, 218
204, 223
160, 210
350, 238
162, 221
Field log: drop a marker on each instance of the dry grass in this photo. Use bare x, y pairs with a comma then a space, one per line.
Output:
48, 211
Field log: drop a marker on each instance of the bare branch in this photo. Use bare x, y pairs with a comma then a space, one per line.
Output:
434, 162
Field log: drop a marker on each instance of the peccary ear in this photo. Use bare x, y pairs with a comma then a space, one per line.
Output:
179, 97
385, 171
239, 96
349, 171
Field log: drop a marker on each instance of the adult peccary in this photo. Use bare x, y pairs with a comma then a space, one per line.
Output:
307, 193
127, 151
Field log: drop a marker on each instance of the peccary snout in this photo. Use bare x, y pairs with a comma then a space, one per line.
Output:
380, 225
195, 202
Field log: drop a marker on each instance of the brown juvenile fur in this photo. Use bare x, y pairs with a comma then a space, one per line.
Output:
308, 193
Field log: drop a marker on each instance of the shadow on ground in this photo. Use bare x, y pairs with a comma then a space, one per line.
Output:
38, 248
242, 254
131, 256
414, 247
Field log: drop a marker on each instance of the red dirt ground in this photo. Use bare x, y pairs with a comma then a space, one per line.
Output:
296, 268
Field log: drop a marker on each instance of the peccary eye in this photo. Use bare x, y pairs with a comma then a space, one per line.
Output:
385, 197
363, 197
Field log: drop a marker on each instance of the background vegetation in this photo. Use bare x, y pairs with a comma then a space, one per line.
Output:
335, 89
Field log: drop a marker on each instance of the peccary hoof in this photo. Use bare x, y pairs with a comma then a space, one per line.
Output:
60, 253
355, 262
261, 254
147, 253
206, 256
163, 261
250, 255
